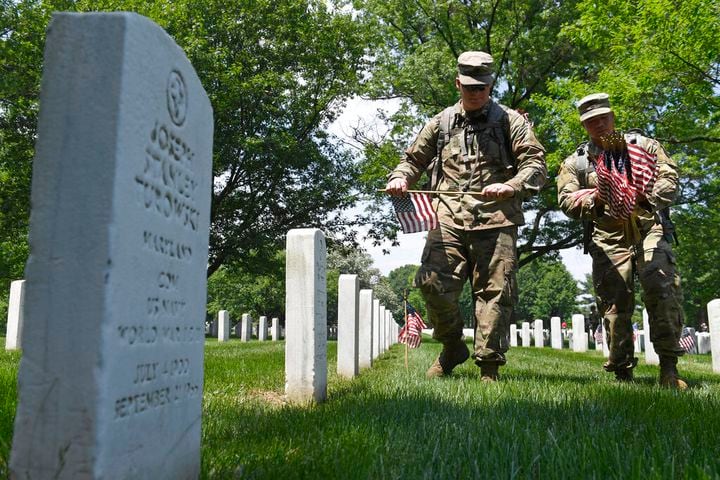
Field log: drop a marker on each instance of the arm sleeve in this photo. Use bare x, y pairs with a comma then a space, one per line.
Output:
665, 188
568, 182
529, 157
419, 155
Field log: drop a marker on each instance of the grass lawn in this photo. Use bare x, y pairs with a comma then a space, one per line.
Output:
555, 414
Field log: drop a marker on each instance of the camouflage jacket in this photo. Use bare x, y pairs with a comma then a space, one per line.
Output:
476, 156
663, 192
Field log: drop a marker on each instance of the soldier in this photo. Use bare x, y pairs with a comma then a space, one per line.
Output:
486, 158
629, 233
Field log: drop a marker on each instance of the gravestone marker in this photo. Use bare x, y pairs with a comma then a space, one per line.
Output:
381, 331
305, 316
275, 330
513, 335
579, 337
703, 342
376, 329
15, 318
538, 333
651, 357
263, 329
347, 344
110, 382
245, 327
713, 309
525, 335
556, 333
365, 324
224, 326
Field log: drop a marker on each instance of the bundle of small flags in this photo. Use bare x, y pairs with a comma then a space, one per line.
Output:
415, 212
624, 171
411, 333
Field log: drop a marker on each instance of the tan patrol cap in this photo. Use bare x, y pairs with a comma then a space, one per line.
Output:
475, 68
593, 105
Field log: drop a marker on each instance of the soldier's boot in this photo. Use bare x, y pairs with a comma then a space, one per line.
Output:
669, 377
453, 354
623, 372
489, 372
624, 375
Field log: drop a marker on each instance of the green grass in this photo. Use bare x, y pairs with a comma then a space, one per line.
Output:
8, 398
555, 414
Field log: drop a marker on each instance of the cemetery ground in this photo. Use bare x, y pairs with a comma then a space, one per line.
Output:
554, 414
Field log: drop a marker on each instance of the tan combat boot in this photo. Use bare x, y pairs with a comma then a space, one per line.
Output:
489, 372
453, 354
669, 374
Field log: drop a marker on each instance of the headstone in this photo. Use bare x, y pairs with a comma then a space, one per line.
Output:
347, 345
525, 335
365, 324
513, 335
703, 342
263, 329
578, 333
556, 333
713, 309
539, 333
110, 382
381, 331
224, 326
214, 328
245, 327
376, 329
305, 316
275, 330
15, 320
651, 358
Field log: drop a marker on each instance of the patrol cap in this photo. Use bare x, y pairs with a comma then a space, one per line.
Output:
593, 105
475, 68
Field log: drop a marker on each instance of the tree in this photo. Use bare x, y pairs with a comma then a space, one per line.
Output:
276, 73
546, 289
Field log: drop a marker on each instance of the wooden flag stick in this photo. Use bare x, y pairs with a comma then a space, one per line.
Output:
444, 192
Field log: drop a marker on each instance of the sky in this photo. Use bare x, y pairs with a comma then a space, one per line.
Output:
363, 113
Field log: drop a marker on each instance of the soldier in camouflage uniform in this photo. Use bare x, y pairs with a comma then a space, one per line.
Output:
619, 248
477, 146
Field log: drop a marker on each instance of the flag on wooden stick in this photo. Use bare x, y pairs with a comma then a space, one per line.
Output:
415, 212
411, 333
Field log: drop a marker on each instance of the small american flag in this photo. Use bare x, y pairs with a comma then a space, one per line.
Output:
687, 340
410, 334
634, 173
415, 213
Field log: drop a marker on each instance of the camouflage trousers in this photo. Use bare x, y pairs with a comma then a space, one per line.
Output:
614, 266
489, 259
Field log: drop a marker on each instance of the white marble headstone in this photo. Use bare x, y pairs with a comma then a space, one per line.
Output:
15, 318
579, 338
245, 327
275, 329
376, 329
538, 333
347, 344
305, 316
513, 335
263, 329
365, 328
651, 357
556, 333
525, 334
110, 382
223, 326
713, 309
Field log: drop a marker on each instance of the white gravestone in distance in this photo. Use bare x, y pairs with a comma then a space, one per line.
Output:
245, 327
381, 331
263, 329
275, 330
525, 334
110, 382
556, 333
513, 335
579, 337
376, 329
223, 326
713, 309
538, 333
651, 357
347, 343
365, 324
305, 316
15, 320
703, 342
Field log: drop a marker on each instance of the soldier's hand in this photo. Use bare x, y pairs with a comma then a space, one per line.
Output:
497, 191
579, 196
397, 187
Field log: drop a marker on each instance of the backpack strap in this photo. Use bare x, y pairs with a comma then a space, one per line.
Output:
447, 122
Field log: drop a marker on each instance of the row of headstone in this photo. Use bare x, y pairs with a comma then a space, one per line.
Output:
365, 328
244, 328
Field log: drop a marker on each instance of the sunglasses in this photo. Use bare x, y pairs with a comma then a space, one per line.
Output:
474, 88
